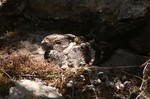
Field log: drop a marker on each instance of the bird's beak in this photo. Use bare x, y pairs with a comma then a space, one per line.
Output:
75, 39
42, 42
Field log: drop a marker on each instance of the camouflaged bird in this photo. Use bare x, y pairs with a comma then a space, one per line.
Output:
57, 42
67, 50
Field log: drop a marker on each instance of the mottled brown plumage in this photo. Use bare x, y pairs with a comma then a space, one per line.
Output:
56, 39
57, 42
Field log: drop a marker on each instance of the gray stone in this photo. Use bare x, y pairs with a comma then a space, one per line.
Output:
141, 44
73, 9
124, 58
26, 89
2, 2
76, 9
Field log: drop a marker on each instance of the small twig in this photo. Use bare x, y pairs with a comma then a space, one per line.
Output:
6, 73
116, 67
132, 75
72, 94
28, 75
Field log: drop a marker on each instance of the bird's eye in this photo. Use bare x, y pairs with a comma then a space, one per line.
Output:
58, 42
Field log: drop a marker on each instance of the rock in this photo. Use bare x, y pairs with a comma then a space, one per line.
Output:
27, 89
141, 44
2, 2
91, 11
121, 31
76, 9
103, 51
124, 58
72, 9
67, 50
12, 7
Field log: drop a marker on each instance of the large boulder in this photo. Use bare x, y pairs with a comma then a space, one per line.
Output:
77, 9
104, 8
141, 44
123, 57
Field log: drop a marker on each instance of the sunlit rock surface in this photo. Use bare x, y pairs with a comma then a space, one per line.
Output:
27, 89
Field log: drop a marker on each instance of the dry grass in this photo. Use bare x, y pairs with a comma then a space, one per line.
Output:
23, 66
17, 62
30, 66
33, 66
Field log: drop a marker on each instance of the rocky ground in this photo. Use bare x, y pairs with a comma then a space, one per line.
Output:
91, 51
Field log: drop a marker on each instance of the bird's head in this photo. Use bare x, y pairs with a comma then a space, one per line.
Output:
71, 37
